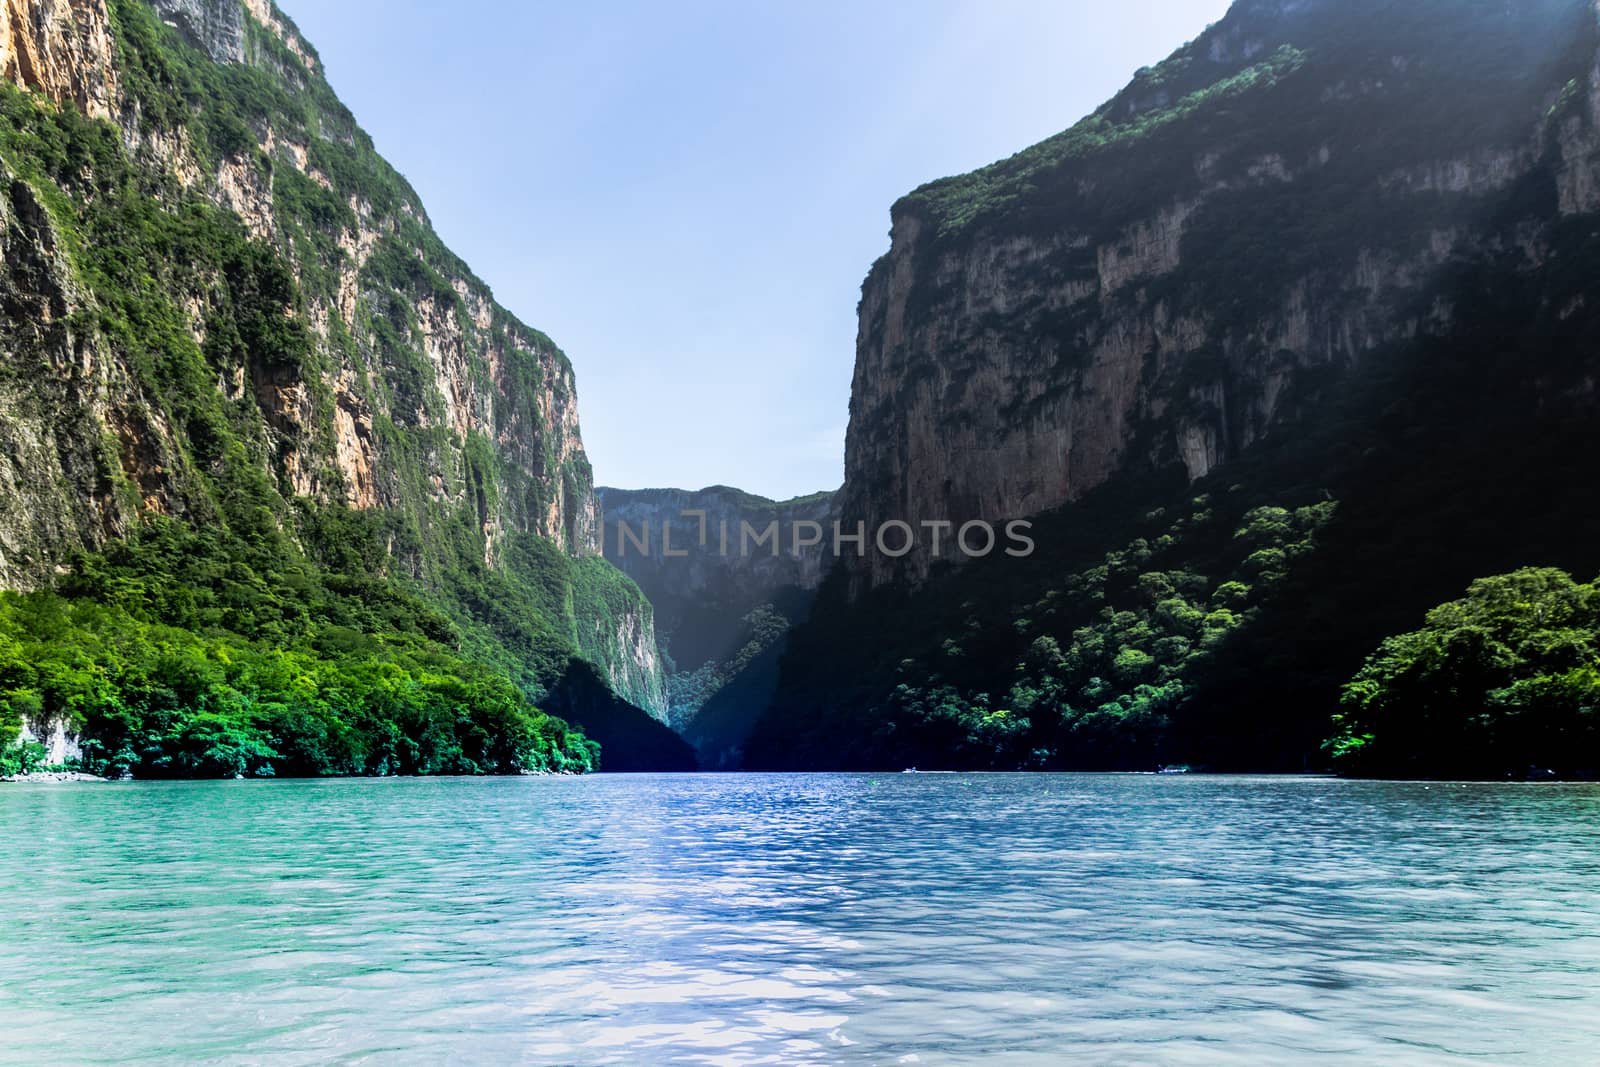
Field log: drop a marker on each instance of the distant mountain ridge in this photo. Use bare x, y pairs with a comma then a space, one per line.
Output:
722, 608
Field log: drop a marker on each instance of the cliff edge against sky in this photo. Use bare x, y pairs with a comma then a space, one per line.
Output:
226, 314
1288, 342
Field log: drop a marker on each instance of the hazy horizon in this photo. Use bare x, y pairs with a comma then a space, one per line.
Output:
688, 199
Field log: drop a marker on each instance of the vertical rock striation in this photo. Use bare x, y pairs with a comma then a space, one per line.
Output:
1288, 342
1192, 265
385, 379
63, 49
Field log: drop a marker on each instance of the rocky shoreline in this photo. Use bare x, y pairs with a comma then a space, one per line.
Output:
52, 777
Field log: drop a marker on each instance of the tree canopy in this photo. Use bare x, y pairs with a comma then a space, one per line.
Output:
1502, 681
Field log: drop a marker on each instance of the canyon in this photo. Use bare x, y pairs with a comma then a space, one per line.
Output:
723, 603
1289, 341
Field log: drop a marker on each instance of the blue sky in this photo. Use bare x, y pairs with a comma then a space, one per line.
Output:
687, 195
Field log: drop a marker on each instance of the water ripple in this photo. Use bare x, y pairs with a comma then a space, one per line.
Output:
802, 919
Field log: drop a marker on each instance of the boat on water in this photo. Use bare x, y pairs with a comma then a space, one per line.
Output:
1176, 768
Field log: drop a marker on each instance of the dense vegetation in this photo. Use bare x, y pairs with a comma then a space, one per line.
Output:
1061, 662
1218, 624
1448, 460
717, 704
689, 690
156, 701
184, 653
251, 630
1503, 682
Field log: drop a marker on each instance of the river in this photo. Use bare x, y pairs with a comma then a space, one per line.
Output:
785, 919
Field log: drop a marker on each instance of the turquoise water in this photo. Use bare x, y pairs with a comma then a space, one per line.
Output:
791, 919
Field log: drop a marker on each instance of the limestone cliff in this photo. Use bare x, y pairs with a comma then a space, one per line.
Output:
1291, 340
63, 49
302, 322
1198, 261
723, 599
698, 587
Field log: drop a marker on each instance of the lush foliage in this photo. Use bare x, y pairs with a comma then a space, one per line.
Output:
1106, 692
255, 630
689, 690
17, 756
1084, 671
156, 701
1502, 681
184, 652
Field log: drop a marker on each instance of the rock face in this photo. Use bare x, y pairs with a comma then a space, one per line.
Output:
1287, 343
60, 746
52, 455
384, 378
1194, 264
628, 648
217, 29
61, 48
700, 596
725, 593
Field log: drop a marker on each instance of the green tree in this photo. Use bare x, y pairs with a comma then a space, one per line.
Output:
1502, 680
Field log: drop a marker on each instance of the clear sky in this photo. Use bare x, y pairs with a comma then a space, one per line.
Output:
687, 194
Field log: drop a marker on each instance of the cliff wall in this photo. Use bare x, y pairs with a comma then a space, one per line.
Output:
1200, 260
724, 601
211, 276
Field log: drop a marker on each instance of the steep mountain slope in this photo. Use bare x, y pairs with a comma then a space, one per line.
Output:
225, 312
725, 592
1289, 341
